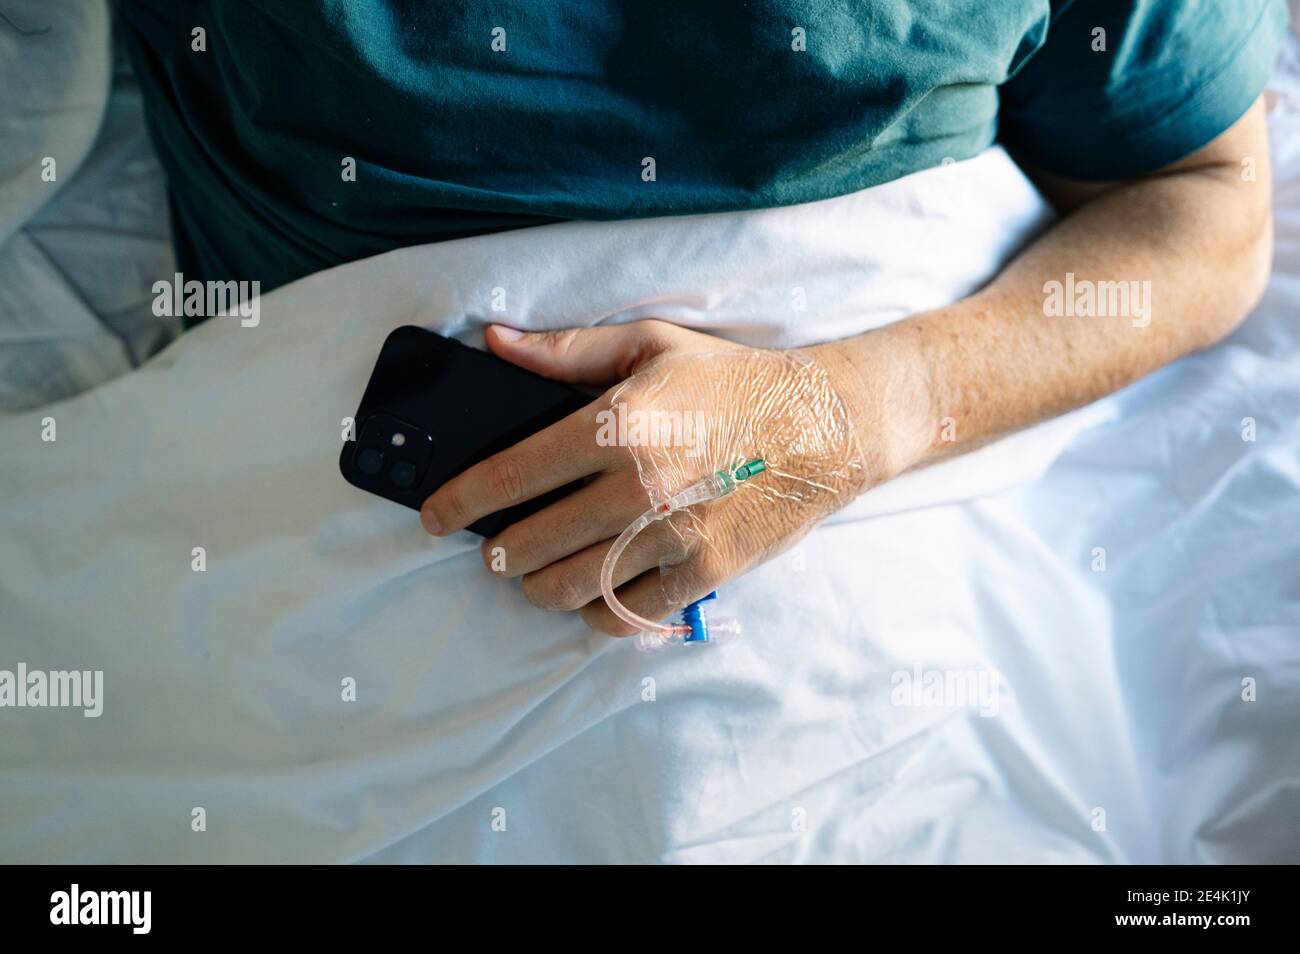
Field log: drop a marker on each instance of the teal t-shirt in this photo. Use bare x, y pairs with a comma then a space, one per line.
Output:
300, 134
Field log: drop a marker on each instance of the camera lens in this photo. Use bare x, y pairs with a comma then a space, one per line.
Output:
402, 474
370, 461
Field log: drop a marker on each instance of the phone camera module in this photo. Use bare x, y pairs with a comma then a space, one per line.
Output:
393, 452
402, 474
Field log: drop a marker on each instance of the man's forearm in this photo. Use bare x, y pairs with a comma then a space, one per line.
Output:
1183, 256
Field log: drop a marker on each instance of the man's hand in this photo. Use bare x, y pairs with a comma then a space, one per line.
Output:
682, 405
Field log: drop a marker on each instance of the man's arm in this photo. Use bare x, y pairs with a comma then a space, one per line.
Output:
1199, 232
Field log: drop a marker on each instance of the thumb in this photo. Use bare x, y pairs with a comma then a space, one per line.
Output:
601, 356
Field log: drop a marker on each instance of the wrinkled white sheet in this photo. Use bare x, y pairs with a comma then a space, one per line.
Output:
1122, 689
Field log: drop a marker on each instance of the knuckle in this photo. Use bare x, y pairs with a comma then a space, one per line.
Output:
660, 335
561, 341
656, 329
557, 589
570, 594
712, 568
505, 479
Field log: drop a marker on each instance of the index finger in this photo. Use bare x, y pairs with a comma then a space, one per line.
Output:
551, 458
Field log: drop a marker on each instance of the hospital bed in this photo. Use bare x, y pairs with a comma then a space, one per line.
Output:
1081, 643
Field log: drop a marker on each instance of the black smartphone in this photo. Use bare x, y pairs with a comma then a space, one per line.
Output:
434, 407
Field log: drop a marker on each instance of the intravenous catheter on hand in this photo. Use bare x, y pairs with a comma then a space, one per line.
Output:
695, 626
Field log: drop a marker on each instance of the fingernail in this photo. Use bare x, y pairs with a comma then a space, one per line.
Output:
507, 333
430, 521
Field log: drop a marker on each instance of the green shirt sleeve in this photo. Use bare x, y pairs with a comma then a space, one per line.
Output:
1163, 79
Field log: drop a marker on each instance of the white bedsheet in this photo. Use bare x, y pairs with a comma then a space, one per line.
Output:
1120, 707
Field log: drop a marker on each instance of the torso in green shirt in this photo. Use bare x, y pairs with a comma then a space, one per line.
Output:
471, 117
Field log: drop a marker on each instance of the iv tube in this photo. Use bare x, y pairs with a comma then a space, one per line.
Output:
715, 485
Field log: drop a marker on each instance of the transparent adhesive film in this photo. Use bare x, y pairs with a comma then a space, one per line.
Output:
740, 454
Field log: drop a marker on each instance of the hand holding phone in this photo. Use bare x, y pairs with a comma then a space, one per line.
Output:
434, 407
